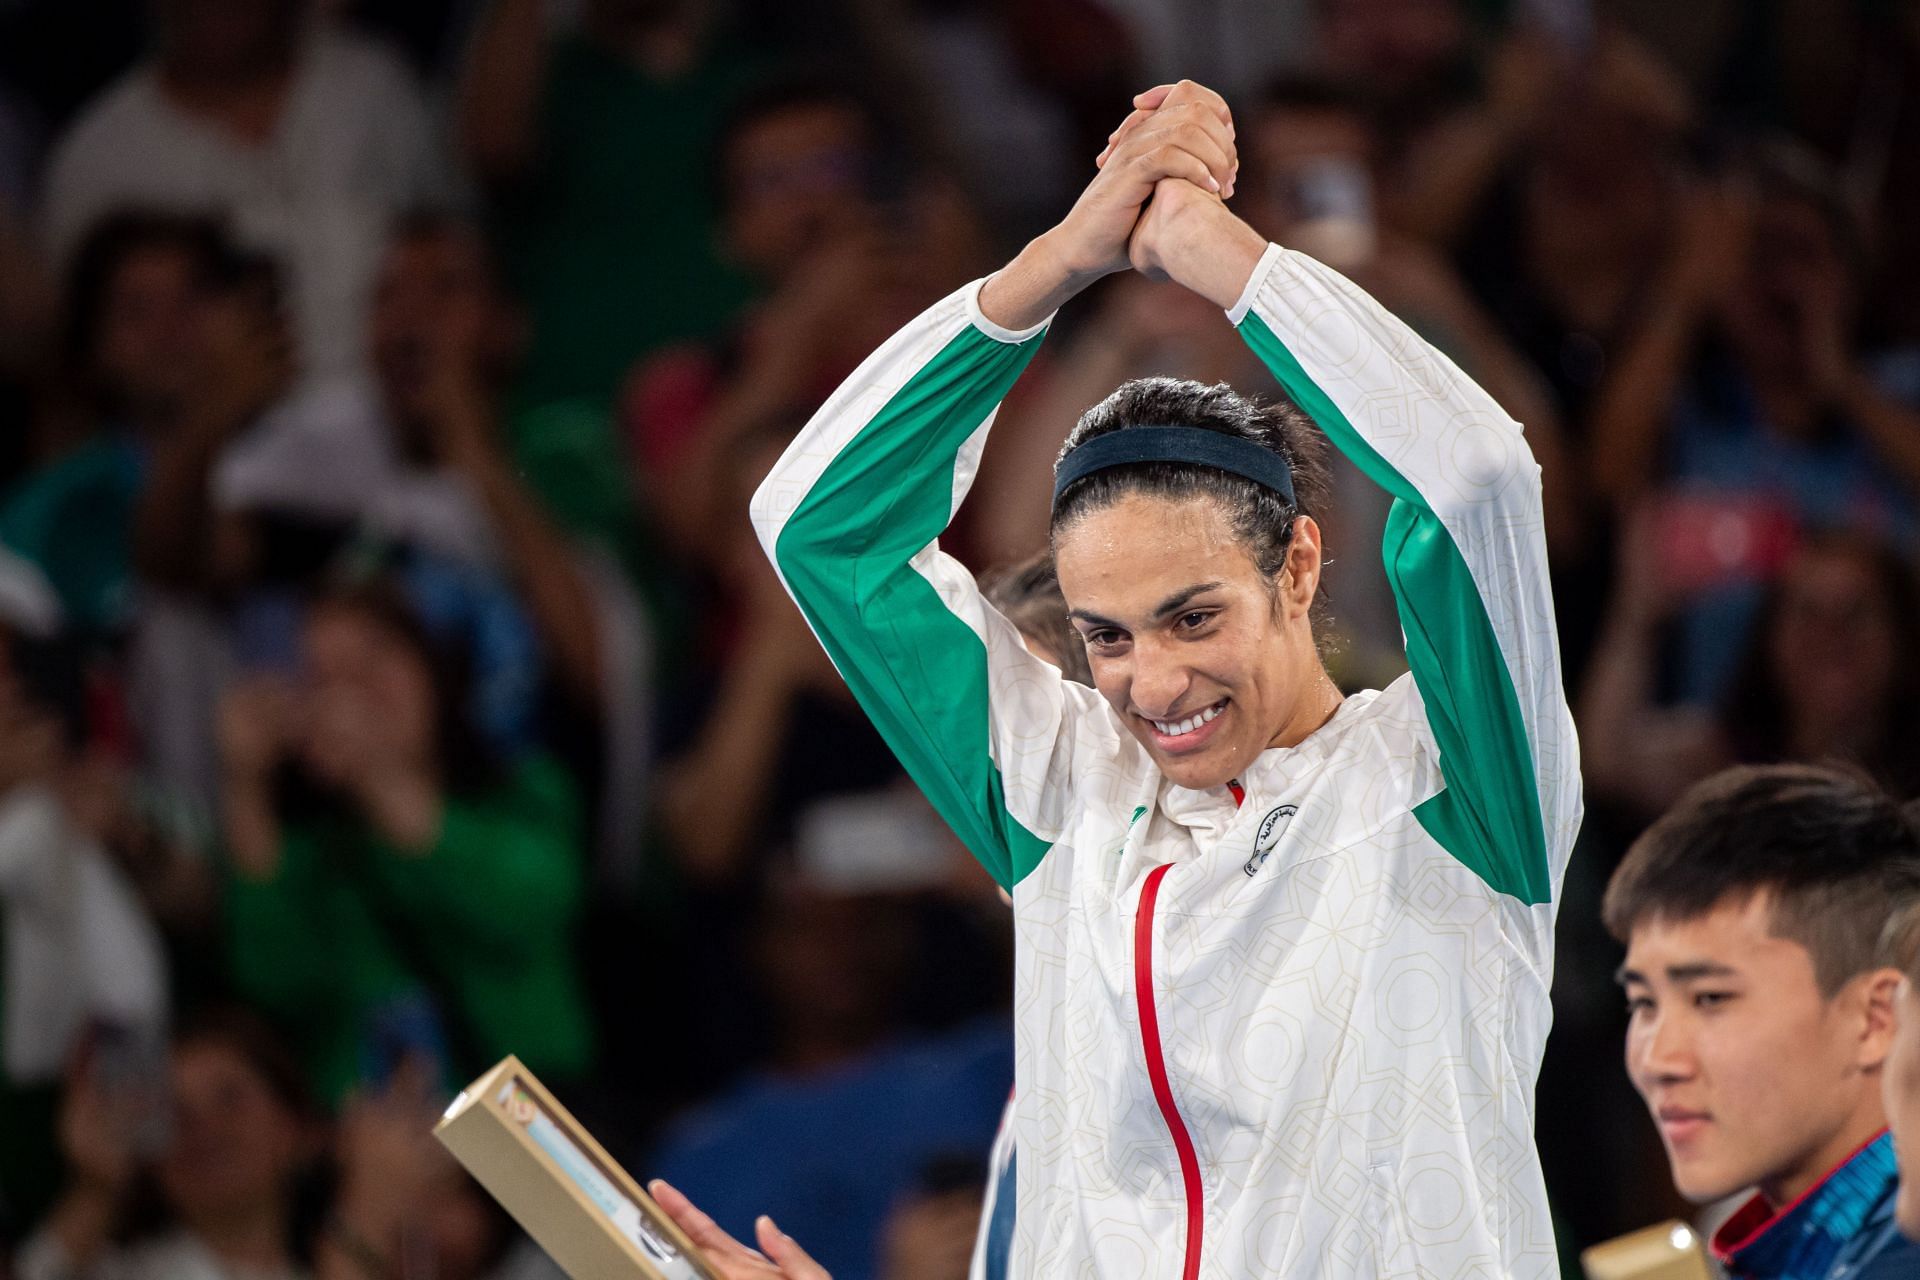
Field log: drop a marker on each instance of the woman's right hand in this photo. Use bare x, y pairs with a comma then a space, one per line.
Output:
1175, 131
778, 1257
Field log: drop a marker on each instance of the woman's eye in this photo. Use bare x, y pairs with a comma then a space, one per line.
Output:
1711, 999
1637, 1005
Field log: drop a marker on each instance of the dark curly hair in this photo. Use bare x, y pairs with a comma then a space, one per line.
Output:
1261, 518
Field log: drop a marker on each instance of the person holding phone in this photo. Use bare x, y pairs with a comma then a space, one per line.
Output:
397, 888
1281, 955
226, 1176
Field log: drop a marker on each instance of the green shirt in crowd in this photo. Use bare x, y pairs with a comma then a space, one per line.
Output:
349, 928
612, 242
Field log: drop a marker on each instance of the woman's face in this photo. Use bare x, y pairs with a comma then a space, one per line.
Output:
235, 1143
1205, 660
1833, 636
372, 696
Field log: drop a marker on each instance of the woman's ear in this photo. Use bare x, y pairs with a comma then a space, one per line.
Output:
1300, 581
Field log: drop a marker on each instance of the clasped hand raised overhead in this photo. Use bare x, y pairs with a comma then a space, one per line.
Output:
1156, 205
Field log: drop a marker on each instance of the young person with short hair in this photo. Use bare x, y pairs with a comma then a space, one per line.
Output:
1762, 1011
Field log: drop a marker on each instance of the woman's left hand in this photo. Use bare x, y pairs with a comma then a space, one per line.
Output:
778, 1257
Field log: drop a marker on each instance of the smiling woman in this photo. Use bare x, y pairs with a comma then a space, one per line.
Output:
1281, 959
1204, 645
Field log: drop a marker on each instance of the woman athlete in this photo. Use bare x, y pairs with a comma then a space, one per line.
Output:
1282, 958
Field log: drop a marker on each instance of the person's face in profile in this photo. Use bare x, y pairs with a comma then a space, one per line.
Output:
1204, 658
1752, 1074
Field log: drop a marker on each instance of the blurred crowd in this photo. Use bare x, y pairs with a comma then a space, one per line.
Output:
390, 681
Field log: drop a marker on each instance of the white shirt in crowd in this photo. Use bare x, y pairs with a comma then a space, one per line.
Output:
354, 148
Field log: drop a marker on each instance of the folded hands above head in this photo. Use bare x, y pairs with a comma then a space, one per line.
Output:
1156, 205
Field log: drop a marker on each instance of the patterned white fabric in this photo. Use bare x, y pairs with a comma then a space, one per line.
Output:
1352, 1024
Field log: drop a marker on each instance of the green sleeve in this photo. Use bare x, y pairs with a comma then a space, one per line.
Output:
1465, 554
851, 517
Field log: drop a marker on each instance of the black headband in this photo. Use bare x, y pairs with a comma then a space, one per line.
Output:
1196, 445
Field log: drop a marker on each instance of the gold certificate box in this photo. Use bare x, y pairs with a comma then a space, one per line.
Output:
548, 1172
1669, 1251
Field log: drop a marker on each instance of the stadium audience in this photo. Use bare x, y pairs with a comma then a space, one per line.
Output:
82, 959
842, 248
306, 138
1820, 677
162, 357
1744, 385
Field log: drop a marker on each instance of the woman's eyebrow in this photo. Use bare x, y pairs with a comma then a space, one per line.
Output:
1172, 604
1178, 600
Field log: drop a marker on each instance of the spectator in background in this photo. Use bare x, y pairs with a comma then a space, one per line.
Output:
442, 342
1557, 196
395, 887
219, 1144
929, 1234
1761, 1012
402, 1206
1743, 385
1028, 594
306, 139
445, 342
168, 356
1588, 193
81, 958
598, 146
240, 533
804, 212
543, 510
1823, 675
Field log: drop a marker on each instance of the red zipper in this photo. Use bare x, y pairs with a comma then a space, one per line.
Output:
1157, 1064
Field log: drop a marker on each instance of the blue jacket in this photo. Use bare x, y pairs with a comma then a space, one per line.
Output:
1841, 1229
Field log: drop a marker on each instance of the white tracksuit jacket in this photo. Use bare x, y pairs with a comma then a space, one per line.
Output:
1294, 1035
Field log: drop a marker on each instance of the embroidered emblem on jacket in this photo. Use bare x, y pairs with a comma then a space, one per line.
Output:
1272, 827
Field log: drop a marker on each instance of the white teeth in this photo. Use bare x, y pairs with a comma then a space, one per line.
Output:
1174, 728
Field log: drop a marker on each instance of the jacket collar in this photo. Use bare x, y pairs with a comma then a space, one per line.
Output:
1804, 1238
